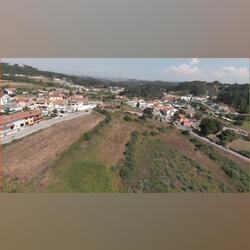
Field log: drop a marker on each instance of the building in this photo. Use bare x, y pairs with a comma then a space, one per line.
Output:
15, 122
5, 98
10, 91
22, 101
56, 96
10, 107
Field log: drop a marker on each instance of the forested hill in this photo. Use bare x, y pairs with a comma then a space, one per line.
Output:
27, 70
156, 89
236, 95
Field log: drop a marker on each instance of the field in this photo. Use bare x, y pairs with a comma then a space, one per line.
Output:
245, 126
121, 156
239, 145
23, 85
27, 158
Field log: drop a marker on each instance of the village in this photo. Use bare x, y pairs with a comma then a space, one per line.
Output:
21, 109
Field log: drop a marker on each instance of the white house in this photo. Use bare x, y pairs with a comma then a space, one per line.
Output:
10, 91
5, 99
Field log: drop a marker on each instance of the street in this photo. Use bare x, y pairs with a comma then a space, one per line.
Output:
213, 143
41, 125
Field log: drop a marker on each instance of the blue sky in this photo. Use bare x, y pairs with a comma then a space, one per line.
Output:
228, 70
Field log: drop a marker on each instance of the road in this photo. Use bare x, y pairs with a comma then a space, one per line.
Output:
41, 125
213, 143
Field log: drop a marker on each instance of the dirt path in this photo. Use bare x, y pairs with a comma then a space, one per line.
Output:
26, 158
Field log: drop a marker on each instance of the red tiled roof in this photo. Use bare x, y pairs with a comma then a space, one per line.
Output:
19, 115
11, 89
79, 98
42, 101
59, 102
22, 99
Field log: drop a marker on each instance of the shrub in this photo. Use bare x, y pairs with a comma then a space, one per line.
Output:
185, 132
127, 118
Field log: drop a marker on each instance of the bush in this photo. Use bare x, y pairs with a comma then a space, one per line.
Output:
153, 133
127, 118
185, 132
227, 136
210, 126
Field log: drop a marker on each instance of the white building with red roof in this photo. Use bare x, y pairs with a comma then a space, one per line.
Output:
14, 122
10, 91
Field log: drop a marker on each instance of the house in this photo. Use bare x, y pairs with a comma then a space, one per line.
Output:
56, 96
167, 111
42, 103
5, 98
12, 123
60, 105
10, 91
79, 98
10, 107
185, 98
186, 122
22, 101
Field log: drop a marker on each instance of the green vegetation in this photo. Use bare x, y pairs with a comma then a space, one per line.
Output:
127, 118
148, 112
231, 169
80, 168
19, 186
160, 167
186, 132
210, 126
227, 136
235, 95
129, 162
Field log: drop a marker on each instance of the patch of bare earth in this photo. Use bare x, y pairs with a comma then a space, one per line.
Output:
187, 148
28, 157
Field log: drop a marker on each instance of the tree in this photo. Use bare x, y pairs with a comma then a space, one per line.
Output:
138, 105
210, 126
148, 112
127, 118
227, 136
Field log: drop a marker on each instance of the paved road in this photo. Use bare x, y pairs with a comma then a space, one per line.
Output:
214, 144
41, 125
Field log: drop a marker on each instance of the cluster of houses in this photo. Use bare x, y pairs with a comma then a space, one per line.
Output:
18, 111
166, 108
170, 104
15, 122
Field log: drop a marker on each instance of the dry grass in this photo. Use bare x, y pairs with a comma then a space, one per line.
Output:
28, 157
239, 145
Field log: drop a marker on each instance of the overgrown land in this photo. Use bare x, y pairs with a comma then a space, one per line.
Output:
125, 154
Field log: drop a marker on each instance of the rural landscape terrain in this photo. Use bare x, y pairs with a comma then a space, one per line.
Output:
121, 136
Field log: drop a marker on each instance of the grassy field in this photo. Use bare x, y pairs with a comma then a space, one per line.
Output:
22, 85
245, 126
233, 170
162, 168
135, 156
239, 145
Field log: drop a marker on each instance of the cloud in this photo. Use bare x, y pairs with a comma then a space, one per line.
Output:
194, 61
231, 74
183, 69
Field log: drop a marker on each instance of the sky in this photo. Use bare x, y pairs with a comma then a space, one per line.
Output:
226, 70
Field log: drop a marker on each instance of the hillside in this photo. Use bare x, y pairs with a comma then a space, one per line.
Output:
135, 156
